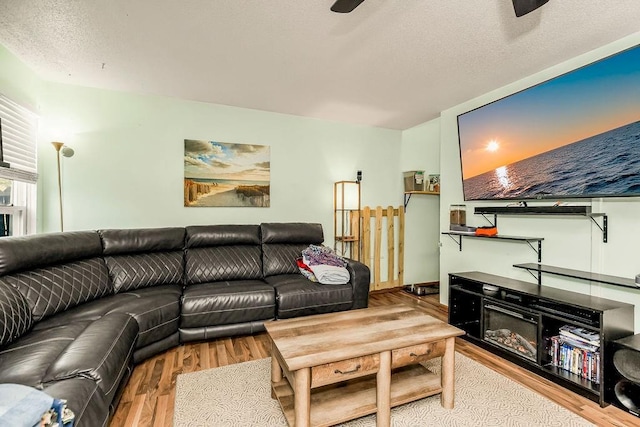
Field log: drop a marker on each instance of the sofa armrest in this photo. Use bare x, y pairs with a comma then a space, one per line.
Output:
360, 279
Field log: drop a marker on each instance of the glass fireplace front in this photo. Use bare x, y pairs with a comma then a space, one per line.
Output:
512, 330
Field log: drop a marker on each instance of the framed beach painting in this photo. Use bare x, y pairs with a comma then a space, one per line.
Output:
226, 174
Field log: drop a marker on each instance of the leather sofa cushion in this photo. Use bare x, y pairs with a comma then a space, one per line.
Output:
53, 289
99, 350
298, 296
26, 360
138, 258
145, 240
291, 232
135, 271
102, 352
156, 309
224, 303
15, 314
281, 258
222, 252
40, 250
200, 236
215, 264
282, 243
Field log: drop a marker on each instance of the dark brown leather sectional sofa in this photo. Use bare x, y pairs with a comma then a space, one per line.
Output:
79, 309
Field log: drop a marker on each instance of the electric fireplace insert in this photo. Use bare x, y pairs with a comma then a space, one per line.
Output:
511, 329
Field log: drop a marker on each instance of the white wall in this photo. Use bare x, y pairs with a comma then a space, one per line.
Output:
421, 151
571, 242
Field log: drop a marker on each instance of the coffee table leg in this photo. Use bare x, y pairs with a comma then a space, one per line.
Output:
448, 374
383, 390
302, 397
276, 370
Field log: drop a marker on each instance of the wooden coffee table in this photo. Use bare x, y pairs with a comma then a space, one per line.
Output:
345, 365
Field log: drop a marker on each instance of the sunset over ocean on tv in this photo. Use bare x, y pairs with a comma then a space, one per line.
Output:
577, 135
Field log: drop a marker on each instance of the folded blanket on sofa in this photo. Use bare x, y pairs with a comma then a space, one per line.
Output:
330, 274
322, 255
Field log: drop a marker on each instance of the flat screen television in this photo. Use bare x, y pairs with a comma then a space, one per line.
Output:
574, 136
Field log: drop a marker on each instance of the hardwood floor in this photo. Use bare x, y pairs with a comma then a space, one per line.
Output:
150, 394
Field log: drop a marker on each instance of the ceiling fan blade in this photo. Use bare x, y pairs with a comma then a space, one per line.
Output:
522, 7
346, 6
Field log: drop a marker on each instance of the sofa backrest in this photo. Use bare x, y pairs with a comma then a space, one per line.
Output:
282, 243
139, 258
55, 271
222, 252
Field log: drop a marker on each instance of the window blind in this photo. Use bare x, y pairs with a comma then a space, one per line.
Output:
19, 135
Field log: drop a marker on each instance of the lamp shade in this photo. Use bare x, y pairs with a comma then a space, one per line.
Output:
347, 195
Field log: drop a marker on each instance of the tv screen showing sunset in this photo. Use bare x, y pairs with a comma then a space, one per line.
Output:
577, 135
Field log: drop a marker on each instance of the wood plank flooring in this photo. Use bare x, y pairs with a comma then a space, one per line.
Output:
148, 399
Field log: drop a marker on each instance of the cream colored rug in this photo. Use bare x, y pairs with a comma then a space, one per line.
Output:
240, 395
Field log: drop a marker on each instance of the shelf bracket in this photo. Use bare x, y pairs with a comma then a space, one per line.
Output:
493, 223
537, 250
458, 241
604, 228
538, 276
407, 197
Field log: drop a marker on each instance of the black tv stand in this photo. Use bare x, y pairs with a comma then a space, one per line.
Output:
481, 303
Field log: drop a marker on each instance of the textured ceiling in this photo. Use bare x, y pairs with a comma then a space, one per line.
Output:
390, 63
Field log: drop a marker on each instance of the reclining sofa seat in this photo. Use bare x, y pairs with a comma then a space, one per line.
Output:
224, 293
88, 360
296, 296
146, 268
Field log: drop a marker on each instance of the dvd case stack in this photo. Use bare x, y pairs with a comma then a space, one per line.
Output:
577, 350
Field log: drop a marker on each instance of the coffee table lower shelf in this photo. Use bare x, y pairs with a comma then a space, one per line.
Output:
336, 403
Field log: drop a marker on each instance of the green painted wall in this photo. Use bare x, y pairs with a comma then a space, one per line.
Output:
128, 168
421, 151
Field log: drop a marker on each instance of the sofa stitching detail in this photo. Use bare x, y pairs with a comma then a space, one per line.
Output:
158, 308
145, 312
123, 366
159, 326
95, 388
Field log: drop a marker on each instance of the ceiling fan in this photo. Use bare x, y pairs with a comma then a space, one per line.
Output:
521, 7
345, 6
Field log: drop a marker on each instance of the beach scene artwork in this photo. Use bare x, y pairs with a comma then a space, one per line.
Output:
223, 174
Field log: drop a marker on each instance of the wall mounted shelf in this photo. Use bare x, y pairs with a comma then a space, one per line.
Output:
545, 210
529, 240
407, 196
576, 274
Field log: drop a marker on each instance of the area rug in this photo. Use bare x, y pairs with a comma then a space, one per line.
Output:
240, 395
